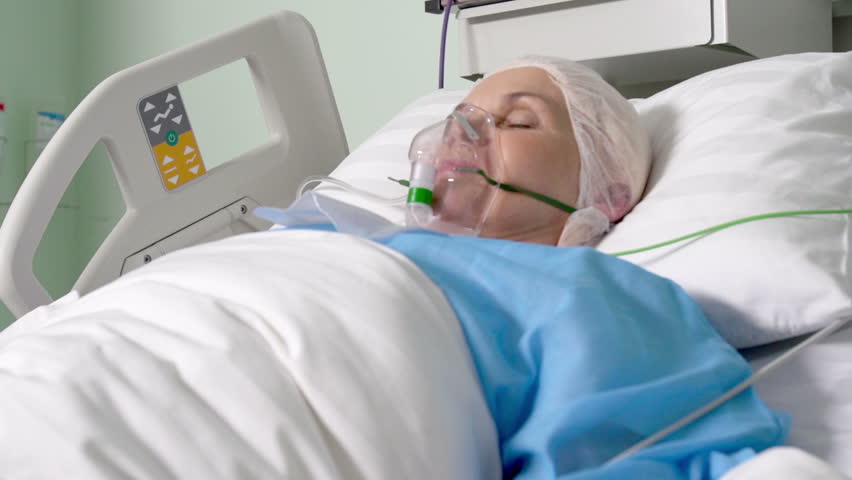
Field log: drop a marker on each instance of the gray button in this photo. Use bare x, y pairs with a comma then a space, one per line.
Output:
162, 113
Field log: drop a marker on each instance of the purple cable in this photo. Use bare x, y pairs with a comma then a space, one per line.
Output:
447, 9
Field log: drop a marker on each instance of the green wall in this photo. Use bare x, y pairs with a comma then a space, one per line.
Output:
380, 55
39, 70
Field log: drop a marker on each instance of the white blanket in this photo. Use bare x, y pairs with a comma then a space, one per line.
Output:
300, 355
784, 463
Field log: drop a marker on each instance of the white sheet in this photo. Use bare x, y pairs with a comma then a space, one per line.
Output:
815, 388
784, 462
270, 355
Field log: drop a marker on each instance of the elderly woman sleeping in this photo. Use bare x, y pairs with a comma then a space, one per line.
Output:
465, 344
555, 129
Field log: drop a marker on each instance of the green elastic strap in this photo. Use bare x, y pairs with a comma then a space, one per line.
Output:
731, 224
511, 188
504, 186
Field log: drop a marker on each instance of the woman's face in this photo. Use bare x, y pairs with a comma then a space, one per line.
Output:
537, 150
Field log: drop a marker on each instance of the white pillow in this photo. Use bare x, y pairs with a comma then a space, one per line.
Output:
385, 154
764, 136
758, 137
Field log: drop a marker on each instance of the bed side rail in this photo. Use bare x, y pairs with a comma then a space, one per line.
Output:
306, 138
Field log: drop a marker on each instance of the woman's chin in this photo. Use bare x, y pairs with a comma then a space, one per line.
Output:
454, 212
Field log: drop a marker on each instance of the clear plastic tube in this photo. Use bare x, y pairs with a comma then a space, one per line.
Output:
348, 187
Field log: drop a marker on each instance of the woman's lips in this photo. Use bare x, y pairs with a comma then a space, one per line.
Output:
449, 166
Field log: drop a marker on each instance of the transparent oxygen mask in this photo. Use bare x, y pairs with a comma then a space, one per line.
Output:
448, 191
449, 187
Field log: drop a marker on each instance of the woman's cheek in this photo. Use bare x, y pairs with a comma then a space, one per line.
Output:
523, 161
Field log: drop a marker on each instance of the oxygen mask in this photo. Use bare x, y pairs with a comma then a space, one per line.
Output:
449, 190
450, 186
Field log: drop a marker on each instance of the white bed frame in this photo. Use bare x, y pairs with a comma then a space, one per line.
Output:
306, 138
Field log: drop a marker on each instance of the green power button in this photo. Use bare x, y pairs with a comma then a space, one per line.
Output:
172, 138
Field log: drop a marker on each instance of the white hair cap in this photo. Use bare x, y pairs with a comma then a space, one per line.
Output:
615, 156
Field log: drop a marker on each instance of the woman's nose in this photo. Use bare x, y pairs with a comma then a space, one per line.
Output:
455, 132
461, 129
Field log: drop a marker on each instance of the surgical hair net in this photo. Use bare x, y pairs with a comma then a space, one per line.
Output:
615, 157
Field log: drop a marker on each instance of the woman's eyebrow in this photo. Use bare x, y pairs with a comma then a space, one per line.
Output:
515, 96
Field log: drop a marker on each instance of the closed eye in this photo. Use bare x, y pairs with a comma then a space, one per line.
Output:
520, 119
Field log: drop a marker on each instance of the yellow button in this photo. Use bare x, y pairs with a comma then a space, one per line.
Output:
180, 163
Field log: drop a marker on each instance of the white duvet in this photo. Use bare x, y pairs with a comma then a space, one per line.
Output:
271, 355
784, 463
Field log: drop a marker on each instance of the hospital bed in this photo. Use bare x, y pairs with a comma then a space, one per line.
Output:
171, 209
166, 210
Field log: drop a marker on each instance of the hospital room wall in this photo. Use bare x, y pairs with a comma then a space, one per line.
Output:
380, 56
38, 71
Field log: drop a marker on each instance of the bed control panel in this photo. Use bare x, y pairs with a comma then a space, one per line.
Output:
171, 138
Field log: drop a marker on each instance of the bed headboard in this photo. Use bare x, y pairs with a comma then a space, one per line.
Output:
171, 200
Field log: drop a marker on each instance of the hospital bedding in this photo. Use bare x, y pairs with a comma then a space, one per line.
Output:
763, 136
815, 388
310, 354
581, 355
305, 356
783, 463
